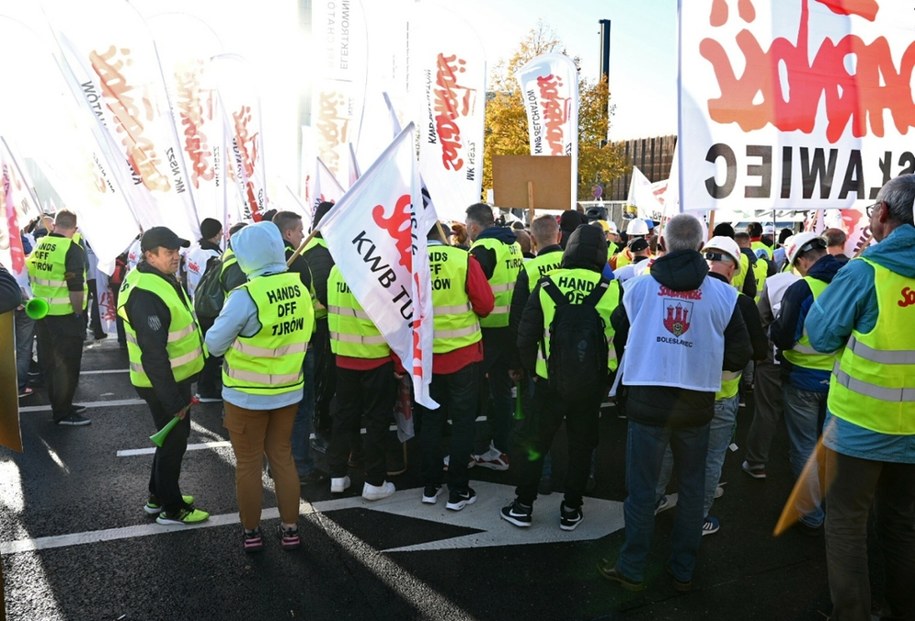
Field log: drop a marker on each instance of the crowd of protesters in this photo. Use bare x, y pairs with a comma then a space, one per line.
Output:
675, 323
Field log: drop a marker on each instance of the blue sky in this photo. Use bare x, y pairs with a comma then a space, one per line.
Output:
643, 50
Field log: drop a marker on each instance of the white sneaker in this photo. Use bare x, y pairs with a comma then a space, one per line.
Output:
377, 492
338, 485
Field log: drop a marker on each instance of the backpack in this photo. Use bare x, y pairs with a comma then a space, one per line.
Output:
209, 296
577, 362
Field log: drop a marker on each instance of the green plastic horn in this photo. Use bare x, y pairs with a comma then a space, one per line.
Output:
158, 438
36, 308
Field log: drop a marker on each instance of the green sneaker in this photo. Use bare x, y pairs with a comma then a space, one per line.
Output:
152, 506
194, 516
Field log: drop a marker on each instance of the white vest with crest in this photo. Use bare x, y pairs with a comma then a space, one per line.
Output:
676, 338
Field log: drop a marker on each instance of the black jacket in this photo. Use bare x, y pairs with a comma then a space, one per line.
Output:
520, 295
749, 283
750, 313
487, 257
150, 318
10, 294
586, 250
682, 270
300, 267
320, 263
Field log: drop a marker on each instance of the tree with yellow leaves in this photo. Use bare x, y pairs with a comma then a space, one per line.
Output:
506, 120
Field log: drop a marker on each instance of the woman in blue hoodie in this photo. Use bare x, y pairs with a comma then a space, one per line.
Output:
263, 331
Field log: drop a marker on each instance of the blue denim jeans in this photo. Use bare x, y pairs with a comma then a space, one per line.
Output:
645, 446
721, 430
804, 414
304, 420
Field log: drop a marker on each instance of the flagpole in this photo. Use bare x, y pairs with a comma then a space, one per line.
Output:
301, 247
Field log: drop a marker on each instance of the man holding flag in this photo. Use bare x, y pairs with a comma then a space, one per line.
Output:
869, 435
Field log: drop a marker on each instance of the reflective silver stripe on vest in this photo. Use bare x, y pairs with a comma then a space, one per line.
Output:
266, 352
499, 310
456, 333
503, 287
890, 395
180, 334
49, 283
356, 338
727, 376
881, 356
186, 358
260, 378
56, 301
174, 362
347, 312
452, 310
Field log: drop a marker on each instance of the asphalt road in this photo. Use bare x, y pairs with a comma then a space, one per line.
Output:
76, 544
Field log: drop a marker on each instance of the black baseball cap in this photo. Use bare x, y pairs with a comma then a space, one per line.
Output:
162, 236
638, 245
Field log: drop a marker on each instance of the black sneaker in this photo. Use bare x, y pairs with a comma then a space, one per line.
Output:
430, 494
457, 500
74, 420
517, 514
78, 409
569, 517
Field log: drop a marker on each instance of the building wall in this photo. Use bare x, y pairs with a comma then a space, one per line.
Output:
653, 156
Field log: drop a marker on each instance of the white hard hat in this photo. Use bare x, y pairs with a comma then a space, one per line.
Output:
800, 243
725, 245
612, 227
637, 227
768, 229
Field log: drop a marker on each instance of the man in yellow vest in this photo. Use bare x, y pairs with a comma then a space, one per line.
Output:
723, 257
460, 296
165, 350
500, 257
546, 234
263, 330
57, 271
805, 371
366, 388
579, 282
869, 436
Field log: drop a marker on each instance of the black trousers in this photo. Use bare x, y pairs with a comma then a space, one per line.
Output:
166, 466
368, 394
60, 352
209, 382
581, 416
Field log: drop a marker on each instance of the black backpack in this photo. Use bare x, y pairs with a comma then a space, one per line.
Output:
209, 296
577, 363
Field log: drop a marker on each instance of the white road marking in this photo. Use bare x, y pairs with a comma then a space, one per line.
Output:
191, 447
602, 517
89, 404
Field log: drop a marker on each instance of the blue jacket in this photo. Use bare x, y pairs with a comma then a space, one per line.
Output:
850, 302
788, 327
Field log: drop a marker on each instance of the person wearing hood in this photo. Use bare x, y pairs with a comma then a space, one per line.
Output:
499, 254
165, 349
869, 435
263, 331
580, 273
805, 371
680, 329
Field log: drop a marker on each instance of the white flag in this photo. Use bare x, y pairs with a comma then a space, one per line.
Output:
549, 89
377, 237
324, 187
449, 90
642, 195
111, 63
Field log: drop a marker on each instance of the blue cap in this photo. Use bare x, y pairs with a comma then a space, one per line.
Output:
650, 223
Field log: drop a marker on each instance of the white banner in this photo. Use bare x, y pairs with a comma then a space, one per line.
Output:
324, 187
242, 113
800, 104
12, 254
377, 236
338, 70
549, 89
449, 91
113, 66
186, 45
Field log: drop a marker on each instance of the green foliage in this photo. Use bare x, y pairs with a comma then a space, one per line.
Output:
506, 120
